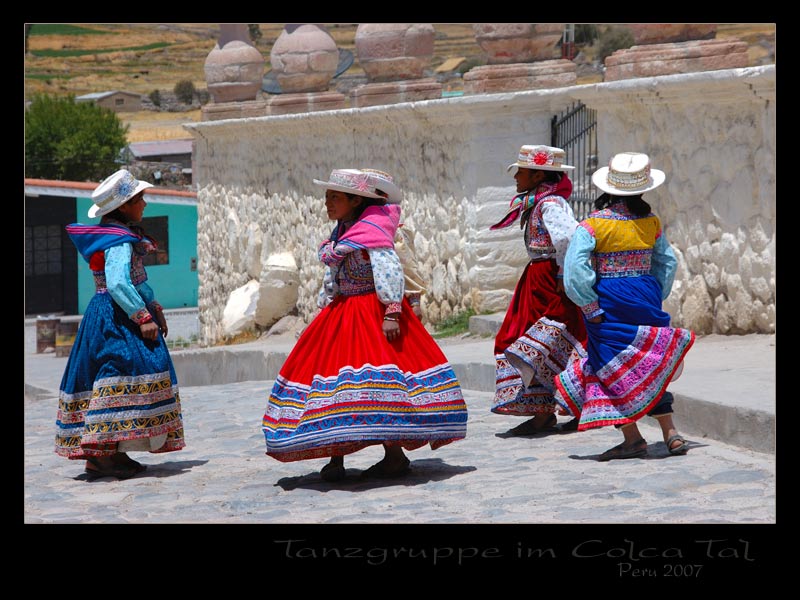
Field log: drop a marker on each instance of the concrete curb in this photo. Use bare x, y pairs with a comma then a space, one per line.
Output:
747, 428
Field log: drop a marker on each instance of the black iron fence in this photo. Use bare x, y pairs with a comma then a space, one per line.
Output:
575, 132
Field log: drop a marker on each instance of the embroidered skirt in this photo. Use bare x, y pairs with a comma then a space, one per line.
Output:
541, 330
630, 357
116, 387
344, 386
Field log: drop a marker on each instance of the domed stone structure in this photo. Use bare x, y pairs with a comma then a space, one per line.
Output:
670, 49
304, 58
662, 33
520, 56
507, 43
394, 57
234, 70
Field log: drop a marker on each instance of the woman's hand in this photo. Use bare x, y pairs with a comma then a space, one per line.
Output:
597, 319
149, 330
391, 327
162, 322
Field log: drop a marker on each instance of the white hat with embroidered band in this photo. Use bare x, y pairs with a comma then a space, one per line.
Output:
628, 174
545, 158
384, 182
356, 181
114, 191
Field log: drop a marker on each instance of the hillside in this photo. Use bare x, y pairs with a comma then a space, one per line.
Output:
82, 58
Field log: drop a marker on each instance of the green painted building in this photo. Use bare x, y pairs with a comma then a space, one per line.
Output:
58, 279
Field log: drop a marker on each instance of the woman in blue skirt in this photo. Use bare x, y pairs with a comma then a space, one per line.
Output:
618, 269
119, 392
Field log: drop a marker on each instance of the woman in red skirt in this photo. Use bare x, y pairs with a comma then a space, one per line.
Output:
364, 372
542, 327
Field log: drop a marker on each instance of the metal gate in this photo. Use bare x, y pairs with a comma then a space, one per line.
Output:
575, 132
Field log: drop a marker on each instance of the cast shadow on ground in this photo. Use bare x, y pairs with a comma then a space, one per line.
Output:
165, 469
655, 451
539, 434
422, 471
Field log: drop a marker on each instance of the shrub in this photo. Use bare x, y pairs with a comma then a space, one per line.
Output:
613, 39
585, 34
468, 64
155, 97
184, 91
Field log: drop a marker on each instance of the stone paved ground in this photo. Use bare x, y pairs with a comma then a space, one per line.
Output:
223, 476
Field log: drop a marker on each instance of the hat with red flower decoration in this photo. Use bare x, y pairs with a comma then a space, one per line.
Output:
358, 182
545, 158
114, 191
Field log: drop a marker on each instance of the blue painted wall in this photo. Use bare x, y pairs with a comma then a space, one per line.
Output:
175, 284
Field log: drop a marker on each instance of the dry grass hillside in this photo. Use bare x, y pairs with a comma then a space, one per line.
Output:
82, 58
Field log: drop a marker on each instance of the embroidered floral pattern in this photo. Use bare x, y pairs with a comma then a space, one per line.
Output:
119, 409
629, 263
141, 317
592, 310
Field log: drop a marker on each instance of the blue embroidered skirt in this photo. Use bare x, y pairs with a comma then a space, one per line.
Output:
116, 387
630, 357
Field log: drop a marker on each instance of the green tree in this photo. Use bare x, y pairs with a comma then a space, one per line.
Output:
184, 91
254, 29
68, 140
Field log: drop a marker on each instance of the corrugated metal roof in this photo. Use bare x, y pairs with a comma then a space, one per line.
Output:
99, 95
168, 147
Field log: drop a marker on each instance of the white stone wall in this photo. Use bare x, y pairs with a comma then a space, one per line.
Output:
713, 133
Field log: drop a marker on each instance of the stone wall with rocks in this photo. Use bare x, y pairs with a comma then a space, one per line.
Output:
713, 133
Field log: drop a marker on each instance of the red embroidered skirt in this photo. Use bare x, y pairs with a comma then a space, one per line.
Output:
345, 386
541, 329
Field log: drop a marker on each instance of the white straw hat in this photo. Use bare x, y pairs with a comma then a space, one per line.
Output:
628, 174
350, 181
545, 158
384, 182
114, 191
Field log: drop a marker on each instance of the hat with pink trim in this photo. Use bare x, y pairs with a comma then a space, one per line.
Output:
362, 183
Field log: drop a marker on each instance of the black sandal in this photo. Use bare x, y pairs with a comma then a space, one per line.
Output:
116, 471
635, 450
529, 427
379, 471
123, 460
569, 426
332, 472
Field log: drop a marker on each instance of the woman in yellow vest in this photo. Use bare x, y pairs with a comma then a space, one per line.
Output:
618, 269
